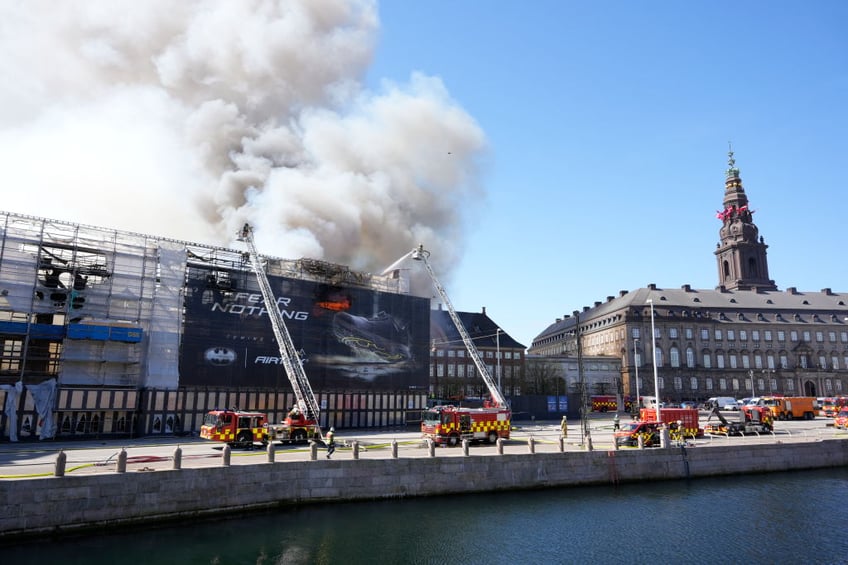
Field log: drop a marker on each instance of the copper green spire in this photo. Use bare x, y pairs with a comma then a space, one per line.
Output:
732, 171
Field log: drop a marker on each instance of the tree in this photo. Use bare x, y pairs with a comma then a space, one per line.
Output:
544, 377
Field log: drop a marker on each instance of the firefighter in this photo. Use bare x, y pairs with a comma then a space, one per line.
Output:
564, 427
330, 440
616, 421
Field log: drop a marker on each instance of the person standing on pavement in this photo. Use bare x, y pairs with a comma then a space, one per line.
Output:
564, 427
330, 440
616, 422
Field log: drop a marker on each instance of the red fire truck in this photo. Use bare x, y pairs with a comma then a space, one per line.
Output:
833, 404
608, 403
451, 424
235, 427
604, 403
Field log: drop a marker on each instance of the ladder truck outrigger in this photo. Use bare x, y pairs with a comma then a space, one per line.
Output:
448, 424
301, 423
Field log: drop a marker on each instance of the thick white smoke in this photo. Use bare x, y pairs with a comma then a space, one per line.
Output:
187, 119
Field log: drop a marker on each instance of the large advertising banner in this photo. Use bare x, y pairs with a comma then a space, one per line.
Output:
348, 338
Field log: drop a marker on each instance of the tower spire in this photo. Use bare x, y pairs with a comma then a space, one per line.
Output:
741, 253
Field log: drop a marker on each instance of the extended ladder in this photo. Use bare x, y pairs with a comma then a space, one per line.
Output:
291, 359
420, 254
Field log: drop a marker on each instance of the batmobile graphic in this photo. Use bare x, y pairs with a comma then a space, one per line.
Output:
379, 338
220, 356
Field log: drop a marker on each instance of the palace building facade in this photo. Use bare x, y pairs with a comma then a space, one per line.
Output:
743, 338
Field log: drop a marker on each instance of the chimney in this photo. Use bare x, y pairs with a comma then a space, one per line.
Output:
687, 288
484, 310
610, 298
652, 286
827, 291
792, 290
597, 303
622, 292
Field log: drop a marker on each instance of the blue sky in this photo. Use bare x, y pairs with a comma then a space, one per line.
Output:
608, 126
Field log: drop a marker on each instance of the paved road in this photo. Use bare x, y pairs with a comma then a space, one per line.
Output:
37, 459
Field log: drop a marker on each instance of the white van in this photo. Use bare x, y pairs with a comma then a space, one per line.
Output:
723, 403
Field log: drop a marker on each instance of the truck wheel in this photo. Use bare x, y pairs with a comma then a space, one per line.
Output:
298, 436
246, 439
453, 440
493, 437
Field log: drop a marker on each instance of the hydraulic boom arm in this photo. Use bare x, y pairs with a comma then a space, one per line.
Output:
291, 359
420, 254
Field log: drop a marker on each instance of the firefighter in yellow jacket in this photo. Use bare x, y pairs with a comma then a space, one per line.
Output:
330, 440
564, 427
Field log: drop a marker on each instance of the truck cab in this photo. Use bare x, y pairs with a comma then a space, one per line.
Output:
629, 434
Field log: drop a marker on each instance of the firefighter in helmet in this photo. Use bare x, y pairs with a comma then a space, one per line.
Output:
330, 440
564, 427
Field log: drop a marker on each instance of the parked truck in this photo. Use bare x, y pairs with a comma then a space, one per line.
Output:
235, 427
841, 421
681, 423
748, 420
788, 407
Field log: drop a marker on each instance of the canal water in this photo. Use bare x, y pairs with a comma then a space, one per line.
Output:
797, 518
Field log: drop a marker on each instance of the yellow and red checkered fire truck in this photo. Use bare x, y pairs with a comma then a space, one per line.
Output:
452, 424
235, 427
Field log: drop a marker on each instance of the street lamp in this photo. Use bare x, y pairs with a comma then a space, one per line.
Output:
636, 362
498, 357
768, 373
751, 374
654, 357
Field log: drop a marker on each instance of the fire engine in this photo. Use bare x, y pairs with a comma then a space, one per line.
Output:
832, 405
301, 423
604, 403
787, 407
681, 423
671, 416
235, 428
451, 424
841, 421
608, 402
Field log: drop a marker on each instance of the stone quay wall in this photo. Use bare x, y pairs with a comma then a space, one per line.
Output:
74, 504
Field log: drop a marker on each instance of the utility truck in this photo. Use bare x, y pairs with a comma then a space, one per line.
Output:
448, 424
681, 423
748, 420
787, 407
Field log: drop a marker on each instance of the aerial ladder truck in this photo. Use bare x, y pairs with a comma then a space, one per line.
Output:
451, 424
301, 423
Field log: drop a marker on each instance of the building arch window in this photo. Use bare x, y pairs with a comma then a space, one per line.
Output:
758, 360
674, 356
678, 383
708, 383
690, 357
693, 383
706, 359
658, 356
720, 360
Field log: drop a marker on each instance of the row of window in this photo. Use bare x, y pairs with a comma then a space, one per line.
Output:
487, 354
763, 386
734, 360
730, 335
462, 370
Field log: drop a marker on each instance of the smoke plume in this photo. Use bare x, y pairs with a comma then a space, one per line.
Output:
188, 119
